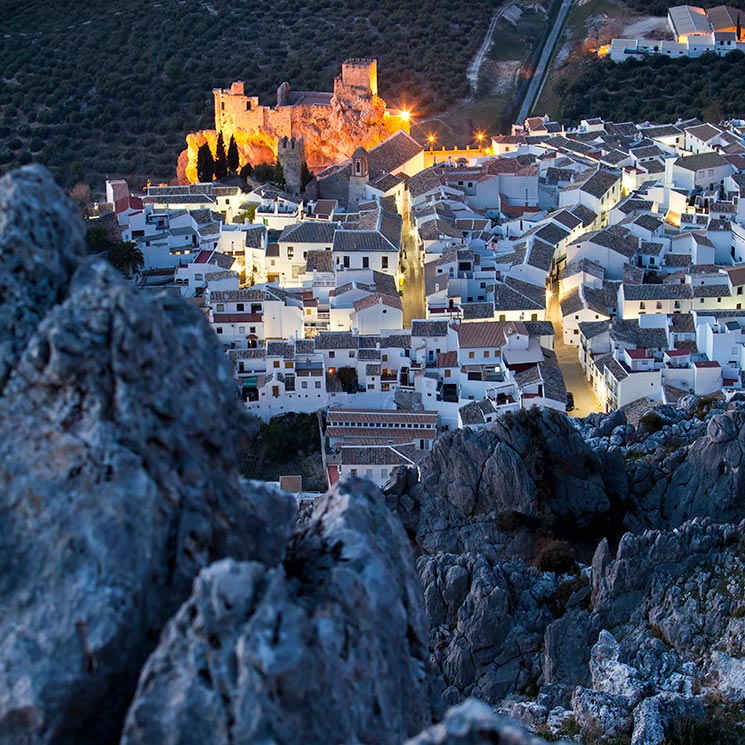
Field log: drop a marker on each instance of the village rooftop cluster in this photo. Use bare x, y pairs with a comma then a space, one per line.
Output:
625, 241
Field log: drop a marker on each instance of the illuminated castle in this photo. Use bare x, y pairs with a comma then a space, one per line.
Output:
333, 125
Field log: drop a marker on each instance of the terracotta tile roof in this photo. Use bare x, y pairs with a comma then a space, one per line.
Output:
309, 231
701, 161
429, 328
319, 260
656, 292
600, 183
378, 299
447, 359
487, 334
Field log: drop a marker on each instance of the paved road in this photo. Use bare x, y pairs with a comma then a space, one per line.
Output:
413, 298
566, 355
536, 82
473, 69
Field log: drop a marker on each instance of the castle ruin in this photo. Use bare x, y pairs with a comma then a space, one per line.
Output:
331, 125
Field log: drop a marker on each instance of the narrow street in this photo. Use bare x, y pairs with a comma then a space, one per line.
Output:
566, 355
413, 297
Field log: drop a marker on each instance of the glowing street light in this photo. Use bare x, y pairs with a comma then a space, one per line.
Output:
431, 140
480, 137
405, 115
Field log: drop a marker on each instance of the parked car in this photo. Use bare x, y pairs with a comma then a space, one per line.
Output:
570, 401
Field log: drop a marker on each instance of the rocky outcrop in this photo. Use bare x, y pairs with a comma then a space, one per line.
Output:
488, 622
473, 723
329, 647
668, 624
495, 491
119, 435
41, 245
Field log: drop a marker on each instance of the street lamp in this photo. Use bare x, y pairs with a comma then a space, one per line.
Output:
480, 137
431, 140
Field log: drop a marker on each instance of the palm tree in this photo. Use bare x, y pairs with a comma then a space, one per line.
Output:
126, 257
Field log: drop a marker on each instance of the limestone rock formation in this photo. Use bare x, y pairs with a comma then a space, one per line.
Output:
473, 723
118, 444
41, 244
488, 621
489, 491
329, 647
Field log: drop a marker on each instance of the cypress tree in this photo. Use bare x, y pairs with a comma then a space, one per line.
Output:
279, 175
233, 162
305, 175
205, 164
221, 161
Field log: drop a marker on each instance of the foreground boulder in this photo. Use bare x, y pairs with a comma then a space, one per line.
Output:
329, 647
120, 432
41, 245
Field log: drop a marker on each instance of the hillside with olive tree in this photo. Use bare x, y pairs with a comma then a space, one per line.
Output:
112, 88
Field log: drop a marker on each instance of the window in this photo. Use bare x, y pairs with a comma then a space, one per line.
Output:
719, 300
276, 363
642, 306
471, 355
677, 305
701, 301
502, 317
307, 311
739, 290
365, 262
384, 358
447, 373
659, 305
352, 353
384, 262
290, 252
304, 384
220, 308
198, 277
219, 329
318, 383
241, 329
487, 353
289, 364
332, 354
239, 307
252, 329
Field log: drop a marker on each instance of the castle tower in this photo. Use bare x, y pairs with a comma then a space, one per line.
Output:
359, 78
359, 179
291, 156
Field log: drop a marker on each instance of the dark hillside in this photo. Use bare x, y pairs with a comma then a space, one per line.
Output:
112, 88
657, 89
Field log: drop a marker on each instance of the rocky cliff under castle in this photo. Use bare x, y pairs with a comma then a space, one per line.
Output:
584, 577
332, 125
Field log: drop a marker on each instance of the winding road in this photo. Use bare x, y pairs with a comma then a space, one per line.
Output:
541, 69
475, 67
